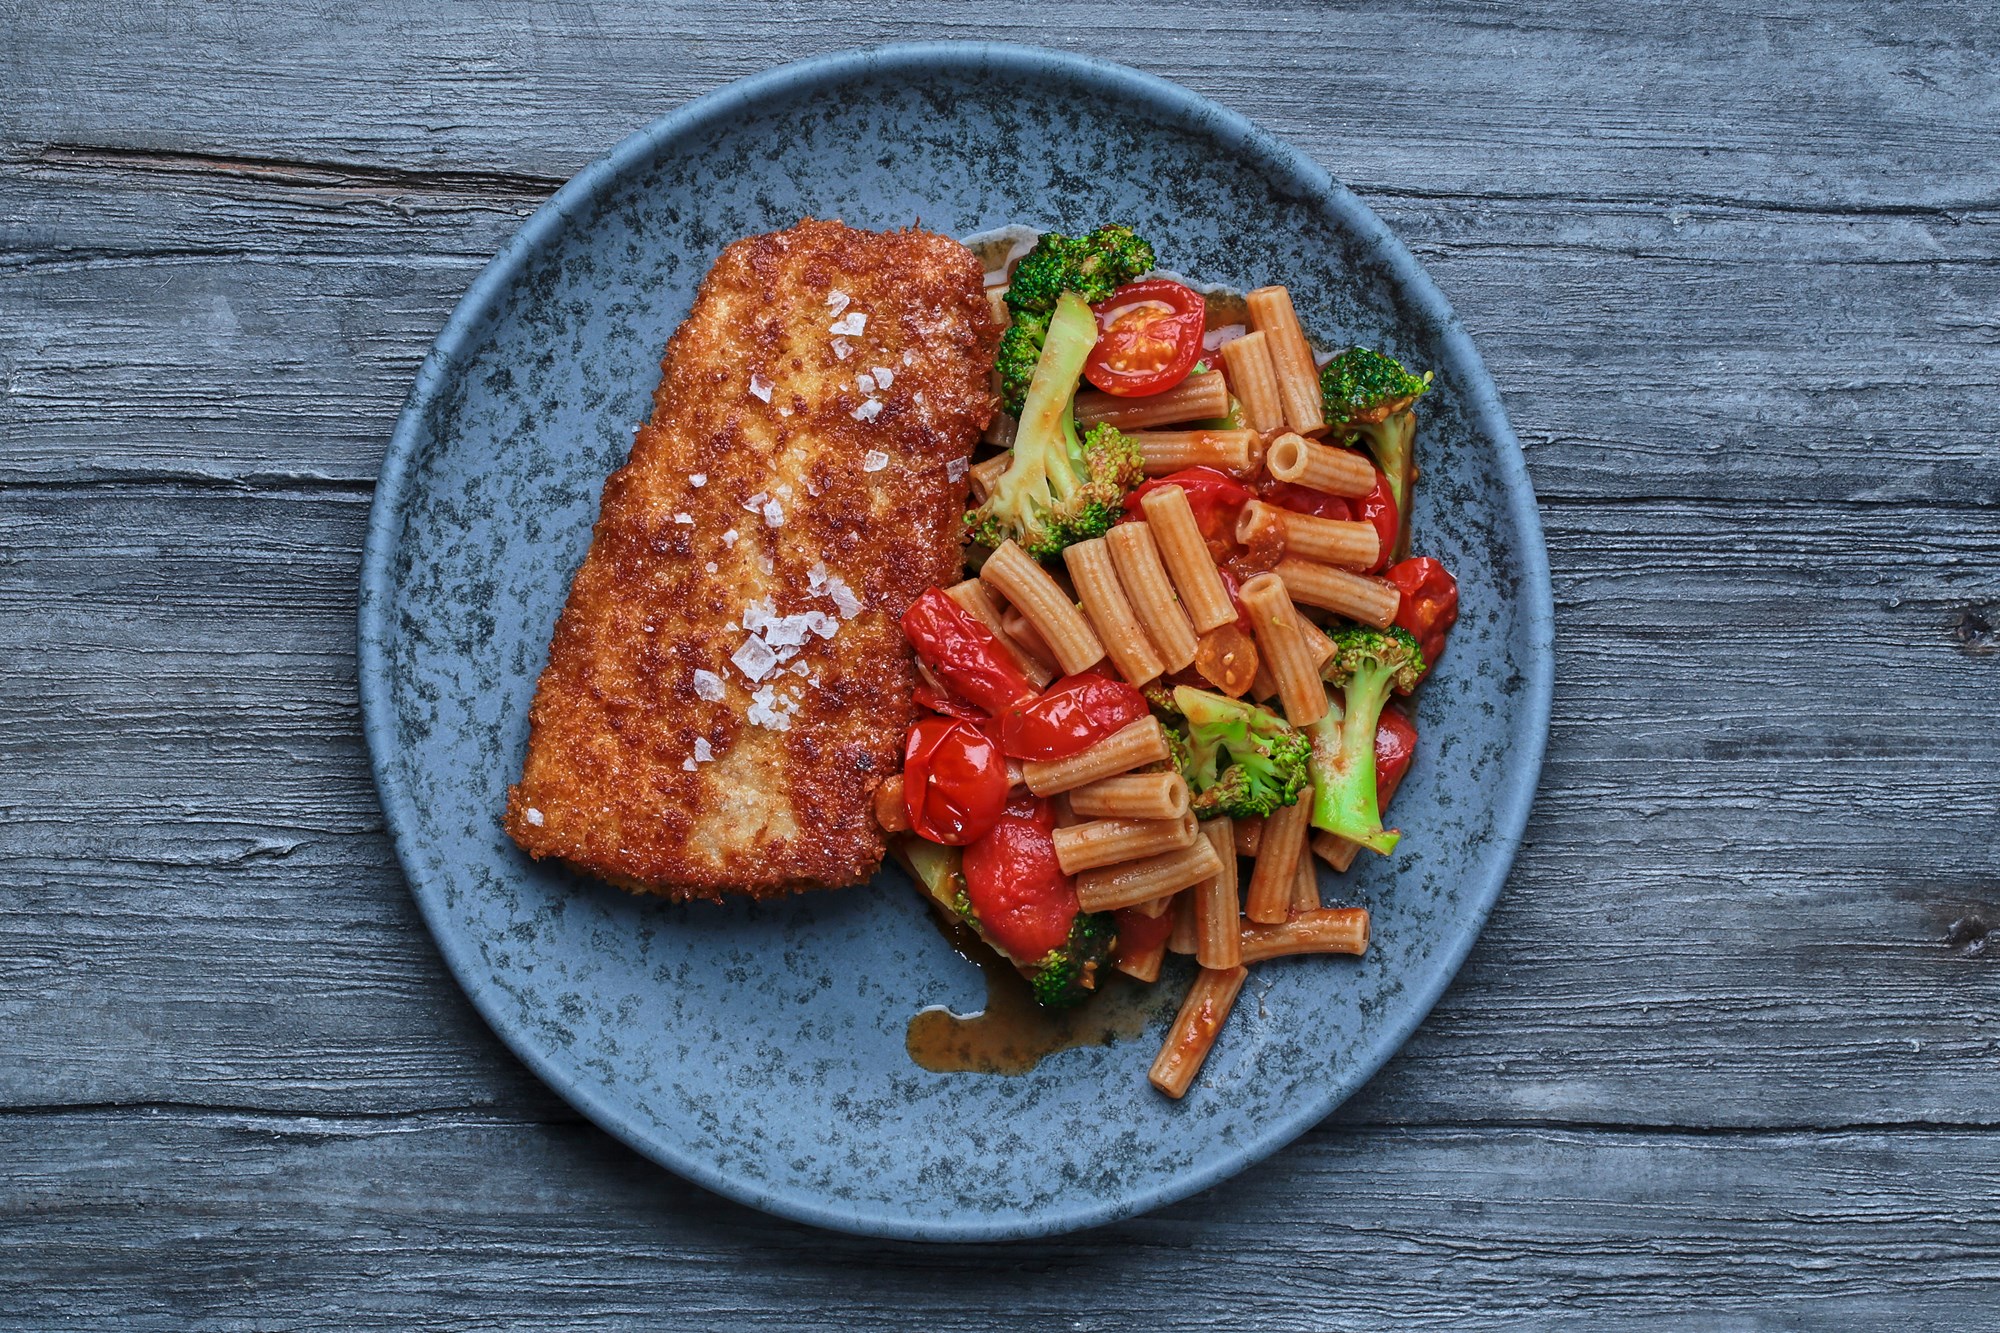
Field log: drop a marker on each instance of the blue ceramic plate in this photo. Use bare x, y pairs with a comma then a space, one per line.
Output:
759, 1050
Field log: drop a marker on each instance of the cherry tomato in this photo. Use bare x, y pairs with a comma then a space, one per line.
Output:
963, 654
1395, 746
1148, 338
1430, 603
1024, 902
1226, 657
1139, 934
954, 781
1071, 715
1379, 508
1304, 500
1233, 584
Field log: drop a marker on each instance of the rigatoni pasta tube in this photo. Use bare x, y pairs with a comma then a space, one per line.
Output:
1218, 925
1013, 573
985, 476
1255, 381
1361, 597
1249, 833
1268, 898
1140, 964
1196, 398
1349, 543
1133, 796
1188, 560
1110, 611
1142, 742
1317, 467
1137, 560
1110, 842
1181, 939
1136, 882
1271, 314
972, 598
1158, 907
1022, 632
1164, 451
1195, 1028
1322, 930
1319, 645
1335, 850
1284, 650
1305, 886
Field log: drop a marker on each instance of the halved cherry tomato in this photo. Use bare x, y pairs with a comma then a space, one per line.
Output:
1024, 902
954, 781
1379, 508
1395, 746
1304, 500
1139, 934
1430, 603
1214, 495
1148, 338
963, 654
1070, 716
1226, 657
930, 694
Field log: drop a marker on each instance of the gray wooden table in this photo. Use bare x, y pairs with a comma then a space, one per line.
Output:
1728, 1054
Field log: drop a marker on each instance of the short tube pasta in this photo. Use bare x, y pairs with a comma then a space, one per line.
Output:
1218, 925
1013, 573
1271, 314
1110, 842
1136, 882
1142, 742
1196, 398
1249, 834
1160, 906
1268, 899
1284, 650
1255, 381
1021, 632
1165, 451
985, 476
1133, 796
1181, 939
1323, 930
1309, 463
1141, 964
1349, 543
1188, 560
1361, 597
1305, 886
1335, 850
1110, 610
972, 598
1319, 645
1193, 1034
1140, 572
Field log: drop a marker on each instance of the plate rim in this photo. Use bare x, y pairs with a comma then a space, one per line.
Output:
1282, 162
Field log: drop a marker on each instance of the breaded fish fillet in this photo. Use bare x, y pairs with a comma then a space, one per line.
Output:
728, 683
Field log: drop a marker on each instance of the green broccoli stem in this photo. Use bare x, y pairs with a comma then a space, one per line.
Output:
1393, 442
1047, 430
1343, 764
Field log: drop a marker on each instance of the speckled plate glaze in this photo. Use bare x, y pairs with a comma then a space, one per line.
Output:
758, 1050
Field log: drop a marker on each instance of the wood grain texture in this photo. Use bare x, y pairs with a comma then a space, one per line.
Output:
1725, 1054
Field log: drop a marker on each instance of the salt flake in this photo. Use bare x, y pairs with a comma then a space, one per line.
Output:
865, 382
710, 566
697, 479
688, 764
955, 469
843, 596
755, 658
756, 502
851, 325
707, 685
868, 411
533, 816
884, 376
729, 537
836, 300
842, 349
684, 518
702, 752
760, 387
874, 460
774, 515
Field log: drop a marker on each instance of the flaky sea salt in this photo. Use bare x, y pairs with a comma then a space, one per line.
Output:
533, 816
884, 376
868, 411
697, 479
756, 502
702, 752
956, 468
760, 387
836, 301
729, 537
800, 669
909, 356
850, 325
708, 685
755, 658
843, 596
688, 764
766, 710
710, 566
774, 514
865, 382
842, 349
684, 518
822, 624
874, 461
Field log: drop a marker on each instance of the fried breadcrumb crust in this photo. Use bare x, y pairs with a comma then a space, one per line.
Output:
613, 783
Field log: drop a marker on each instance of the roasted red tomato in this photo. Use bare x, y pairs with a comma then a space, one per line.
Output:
1148, 338
1215, 497
1430, 603
1395, 746
1304, 500
1024, 902
954, 781
963, 654
1379, 508
1070, 716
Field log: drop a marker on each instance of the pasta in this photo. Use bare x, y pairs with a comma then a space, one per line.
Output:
1135, 882
1196, 398
1271, 314
1134, 796
1269, 896
1160, 906
1323, 930
1255, 381
1305, 886
1335, 850
1286, 651
1144, 578
1309, 463
1350, 543
1182, 939
1021, 632
1141, 964
985, 476
1110, 842
1013, 573
1218, 926
1188, 560
1110, 611
1361, 597
1143, 742
1249, 833
972, 598
1169, 451
1195, 1028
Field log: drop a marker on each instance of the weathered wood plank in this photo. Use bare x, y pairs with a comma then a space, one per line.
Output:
143, 1221
1737, 904
1843, 103
264, 325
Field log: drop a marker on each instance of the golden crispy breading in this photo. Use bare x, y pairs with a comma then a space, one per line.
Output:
801, 477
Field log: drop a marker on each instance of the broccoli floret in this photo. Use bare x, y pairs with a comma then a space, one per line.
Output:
1058, 489
1092, 266
1020, 350
1068, 976
1246, 761
1368, 395
1367, 664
